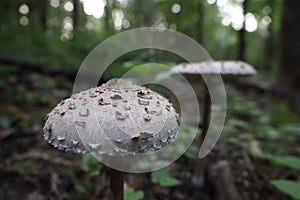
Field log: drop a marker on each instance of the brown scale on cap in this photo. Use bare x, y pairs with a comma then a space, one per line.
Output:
117, 118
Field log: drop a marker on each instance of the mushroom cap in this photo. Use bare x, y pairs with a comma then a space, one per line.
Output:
214, 67
117, 118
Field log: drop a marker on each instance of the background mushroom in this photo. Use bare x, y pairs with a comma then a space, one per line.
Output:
194, 71
116, 119
214, 67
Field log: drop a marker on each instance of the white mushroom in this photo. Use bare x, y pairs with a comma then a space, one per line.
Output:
117, 118
210, 69
214, 67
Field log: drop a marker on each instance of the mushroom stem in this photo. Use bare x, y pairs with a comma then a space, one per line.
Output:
200, 167
206, 115
116, 184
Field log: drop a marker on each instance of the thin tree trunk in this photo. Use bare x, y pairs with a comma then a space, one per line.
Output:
268, 50
75, 14
269, 43
145, 12
107, 10
43, 14
289, 72
241, 35
201, 164
199, 23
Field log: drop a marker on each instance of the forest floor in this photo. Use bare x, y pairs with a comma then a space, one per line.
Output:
30, 169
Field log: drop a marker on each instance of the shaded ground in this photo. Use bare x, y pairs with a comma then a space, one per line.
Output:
32, 169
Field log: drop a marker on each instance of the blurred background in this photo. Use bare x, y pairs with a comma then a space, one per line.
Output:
43, 43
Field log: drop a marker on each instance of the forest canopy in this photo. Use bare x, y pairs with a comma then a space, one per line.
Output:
225, 28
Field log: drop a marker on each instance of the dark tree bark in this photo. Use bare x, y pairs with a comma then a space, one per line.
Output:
8, 12
75, 14
241, 35
199, 29
289, 72
269, 43
145, 12
43, 13
107, 17
38, 12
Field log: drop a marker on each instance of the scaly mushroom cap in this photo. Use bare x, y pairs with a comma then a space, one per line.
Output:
117, 118
214, 67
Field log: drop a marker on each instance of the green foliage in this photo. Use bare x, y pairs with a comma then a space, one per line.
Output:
246, 116
84, 188
192, 151
289, 187
47, 49
131, 194
92, 168
292, 162
246, 122
238, 108
290, 130
283, 110
91, 160
264, 129
280, 125
5, 122
163, 178
238, 123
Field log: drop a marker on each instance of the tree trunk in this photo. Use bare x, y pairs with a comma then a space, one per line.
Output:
107, 17
199, 29
75, 14
269, 43
145, 12
241, 35
289, 72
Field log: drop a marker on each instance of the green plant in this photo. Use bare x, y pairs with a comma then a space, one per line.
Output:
289, 187
292, 162
93, 168
163, 178
192, 151
131, 194
5, 122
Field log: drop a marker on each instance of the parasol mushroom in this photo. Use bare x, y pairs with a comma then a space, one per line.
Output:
214, 67
194, 71
116, 119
